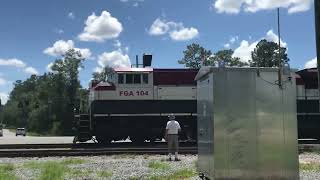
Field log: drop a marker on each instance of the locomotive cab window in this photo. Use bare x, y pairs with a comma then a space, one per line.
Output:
120, 78
129, 78
137, 78
145, 78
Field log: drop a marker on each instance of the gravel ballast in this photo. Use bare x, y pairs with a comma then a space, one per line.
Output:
128, 166
121, 166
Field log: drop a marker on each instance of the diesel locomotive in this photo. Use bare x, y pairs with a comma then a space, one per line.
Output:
137, 104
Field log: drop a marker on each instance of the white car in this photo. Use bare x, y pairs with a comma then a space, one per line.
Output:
21, 132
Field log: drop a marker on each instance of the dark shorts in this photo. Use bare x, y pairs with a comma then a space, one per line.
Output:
173, 143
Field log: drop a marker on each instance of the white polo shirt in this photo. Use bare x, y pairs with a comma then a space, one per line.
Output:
173, 127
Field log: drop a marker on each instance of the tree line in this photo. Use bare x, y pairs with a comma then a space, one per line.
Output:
46, 104
266, 54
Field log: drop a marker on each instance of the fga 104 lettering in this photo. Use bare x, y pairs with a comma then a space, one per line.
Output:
133, 93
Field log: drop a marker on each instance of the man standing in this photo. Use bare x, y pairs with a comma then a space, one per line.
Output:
172, 130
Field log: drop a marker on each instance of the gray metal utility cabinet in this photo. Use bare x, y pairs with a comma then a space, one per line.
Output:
247, 125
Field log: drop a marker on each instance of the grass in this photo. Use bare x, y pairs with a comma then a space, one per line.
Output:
33, 165
310, 167
183, 174
105, 174
178, 175
79, 173
52, 171
39, 165
55, 170
158, 165
6, 172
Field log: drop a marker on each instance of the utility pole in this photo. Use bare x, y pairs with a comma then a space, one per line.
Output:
317, 25
1, 107
279, 53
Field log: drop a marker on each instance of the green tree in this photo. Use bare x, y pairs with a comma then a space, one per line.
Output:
266, 54
107, 75
45, 103
67, 70
195, 56
226, 56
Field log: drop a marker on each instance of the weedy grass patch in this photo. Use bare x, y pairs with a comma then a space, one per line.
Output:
32, 165
52, 171
78, 172
158, 165
310, 167
7, 172
104, 174
177, 175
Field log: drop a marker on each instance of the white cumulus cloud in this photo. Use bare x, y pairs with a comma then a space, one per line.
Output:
98, 69
177, 31
12, 62
311, 64
18, 64
271, 36
49, 67
4, 97
61, 47
31, 70
184, 34
101, 28
113, 59
235, 6
245, 48
159, 27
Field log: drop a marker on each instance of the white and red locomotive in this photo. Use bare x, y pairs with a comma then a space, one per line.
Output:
139, 101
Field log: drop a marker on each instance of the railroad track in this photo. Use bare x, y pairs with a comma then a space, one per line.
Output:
87, 149
92, 145
91, 149
88, 152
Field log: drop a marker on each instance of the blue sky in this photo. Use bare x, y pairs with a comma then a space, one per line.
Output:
111, 32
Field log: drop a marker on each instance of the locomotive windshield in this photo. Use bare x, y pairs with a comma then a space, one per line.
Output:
133, 78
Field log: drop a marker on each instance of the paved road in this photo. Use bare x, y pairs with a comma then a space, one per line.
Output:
10, 138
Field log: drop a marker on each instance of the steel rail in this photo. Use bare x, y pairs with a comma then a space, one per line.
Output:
92, 145
89, 152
